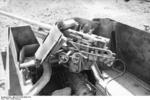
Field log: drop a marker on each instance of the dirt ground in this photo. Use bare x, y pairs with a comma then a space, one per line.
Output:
135, 13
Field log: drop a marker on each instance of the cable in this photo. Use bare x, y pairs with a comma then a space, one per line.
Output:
148, 89
117, 76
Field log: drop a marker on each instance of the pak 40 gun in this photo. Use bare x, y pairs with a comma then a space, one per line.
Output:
75, 49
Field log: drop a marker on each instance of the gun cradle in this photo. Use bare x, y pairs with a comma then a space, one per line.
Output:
75, 47
81, 50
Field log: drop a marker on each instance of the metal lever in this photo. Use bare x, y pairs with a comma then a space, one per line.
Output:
28, 64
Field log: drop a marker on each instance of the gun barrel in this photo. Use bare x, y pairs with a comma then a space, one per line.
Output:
32, 22
90, 37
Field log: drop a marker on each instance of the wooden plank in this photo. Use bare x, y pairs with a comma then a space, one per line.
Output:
4, 59
3, 89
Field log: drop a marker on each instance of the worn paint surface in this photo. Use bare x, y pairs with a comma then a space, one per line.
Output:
21, 36
133, 46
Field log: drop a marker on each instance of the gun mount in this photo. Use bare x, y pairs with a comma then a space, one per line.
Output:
76, 51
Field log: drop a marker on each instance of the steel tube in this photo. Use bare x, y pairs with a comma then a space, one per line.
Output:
45, 26
40, 84
96, 72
